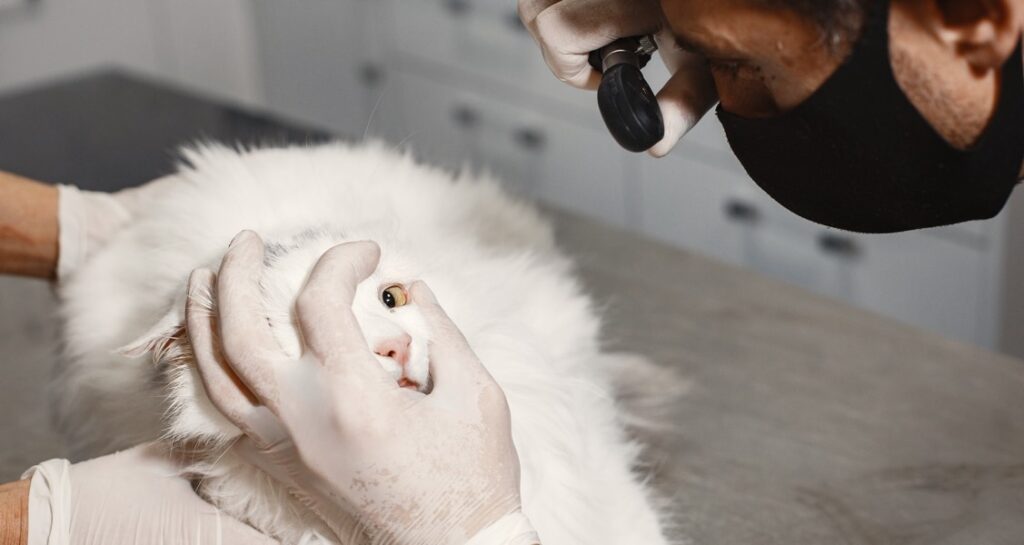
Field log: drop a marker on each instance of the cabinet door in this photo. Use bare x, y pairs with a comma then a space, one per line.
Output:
316, 62
483, 38
46, 40
423, 116
916, 277
536, 156
585, 171
695, 206
209, 46
927, 281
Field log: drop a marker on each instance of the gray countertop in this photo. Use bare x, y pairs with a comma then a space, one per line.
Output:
809, 422
806, 421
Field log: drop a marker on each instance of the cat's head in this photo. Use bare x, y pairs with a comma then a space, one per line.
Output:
395, 330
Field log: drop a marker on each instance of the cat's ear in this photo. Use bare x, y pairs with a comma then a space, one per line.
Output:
160, 339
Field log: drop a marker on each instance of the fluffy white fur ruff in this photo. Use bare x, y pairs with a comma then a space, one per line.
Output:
490, 259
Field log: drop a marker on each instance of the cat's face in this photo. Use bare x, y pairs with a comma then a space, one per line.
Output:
394, 328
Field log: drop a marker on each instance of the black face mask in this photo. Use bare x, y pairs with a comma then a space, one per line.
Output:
857, 155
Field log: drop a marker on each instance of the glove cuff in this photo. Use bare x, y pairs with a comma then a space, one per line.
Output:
49, 503
511, 529
71, 231
86, 220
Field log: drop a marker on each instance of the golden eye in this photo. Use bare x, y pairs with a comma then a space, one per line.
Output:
394, 296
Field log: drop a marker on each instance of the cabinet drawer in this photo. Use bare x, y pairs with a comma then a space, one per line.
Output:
315, 62
695, 206
536, 156
928, 281
934, 282
484, 37
916, 277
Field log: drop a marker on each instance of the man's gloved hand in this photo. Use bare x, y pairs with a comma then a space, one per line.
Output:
568, 30
133, 496
367, 456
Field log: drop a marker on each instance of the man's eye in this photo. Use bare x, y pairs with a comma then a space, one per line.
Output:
730, 67
394, 296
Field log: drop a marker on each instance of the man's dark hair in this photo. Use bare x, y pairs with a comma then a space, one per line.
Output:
839, 20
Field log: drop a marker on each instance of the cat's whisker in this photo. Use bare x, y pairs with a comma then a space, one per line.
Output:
373, 111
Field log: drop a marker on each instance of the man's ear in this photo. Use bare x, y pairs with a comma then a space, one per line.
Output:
984, 32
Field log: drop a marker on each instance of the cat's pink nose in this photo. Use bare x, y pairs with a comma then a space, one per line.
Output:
396, 348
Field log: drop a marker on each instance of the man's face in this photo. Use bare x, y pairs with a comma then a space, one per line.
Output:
767, 58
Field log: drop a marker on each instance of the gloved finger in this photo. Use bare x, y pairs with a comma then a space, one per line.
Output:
278, 461
284, 464
530, 9
324, 309
454, 366
247, 341
684, 99
569, 30
223, 387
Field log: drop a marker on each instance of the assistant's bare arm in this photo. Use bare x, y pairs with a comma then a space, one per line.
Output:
14, 513
28, 227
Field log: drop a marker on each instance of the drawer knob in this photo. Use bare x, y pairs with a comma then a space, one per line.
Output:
741, 211
465, 117
457, 7
530, 139
371, 74
839, 245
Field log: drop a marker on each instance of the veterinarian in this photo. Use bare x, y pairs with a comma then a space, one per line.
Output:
874, 116
438, 468
866, 115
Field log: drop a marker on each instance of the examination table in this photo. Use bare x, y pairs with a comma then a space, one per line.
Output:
806, 422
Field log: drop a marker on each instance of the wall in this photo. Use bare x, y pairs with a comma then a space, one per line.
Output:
205, 46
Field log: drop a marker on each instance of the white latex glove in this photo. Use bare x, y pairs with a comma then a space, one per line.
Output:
568, 30
133, 496
371, 458
87, 219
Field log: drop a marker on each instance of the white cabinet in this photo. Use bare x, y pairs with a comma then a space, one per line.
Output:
208, 47
317, 62
924, 280
534, 155
694, 206
481, 37
463, 83
935, 282
50, 39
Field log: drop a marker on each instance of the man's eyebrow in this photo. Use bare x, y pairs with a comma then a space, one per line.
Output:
687, 45
693, 47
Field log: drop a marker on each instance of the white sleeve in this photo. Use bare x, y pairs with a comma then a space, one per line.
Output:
512, 529
85, 220
49, 503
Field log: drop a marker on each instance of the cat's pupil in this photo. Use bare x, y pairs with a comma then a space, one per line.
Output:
388, 298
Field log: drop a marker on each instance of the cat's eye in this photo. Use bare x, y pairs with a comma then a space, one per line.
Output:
394, 296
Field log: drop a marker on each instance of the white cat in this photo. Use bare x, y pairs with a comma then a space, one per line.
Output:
490, 259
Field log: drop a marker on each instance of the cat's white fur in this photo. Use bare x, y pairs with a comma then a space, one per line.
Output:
490, 259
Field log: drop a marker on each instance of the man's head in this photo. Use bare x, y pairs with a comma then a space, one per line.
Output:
767, 56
